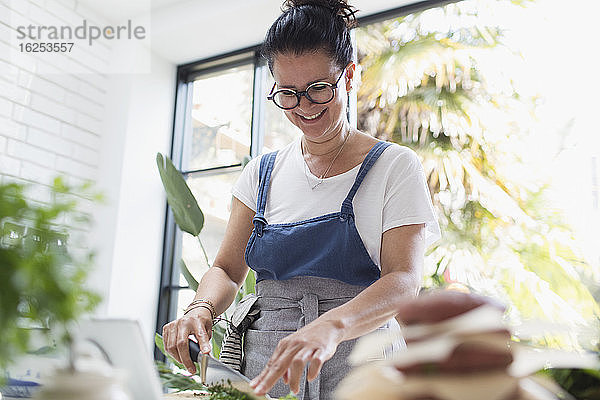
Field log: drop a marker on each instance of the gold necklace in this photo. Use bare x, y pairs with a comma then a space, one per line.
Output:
323, 175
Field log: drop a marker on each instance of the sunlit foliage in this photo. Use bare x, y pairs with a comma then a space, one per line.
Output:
440, 82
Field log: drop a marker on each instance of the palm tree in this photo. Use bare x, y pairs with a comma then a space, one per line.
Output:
432, 81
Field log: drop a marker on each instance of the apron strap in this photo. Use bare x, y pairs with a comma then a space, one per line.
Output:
347, 209
309, 306
266, 166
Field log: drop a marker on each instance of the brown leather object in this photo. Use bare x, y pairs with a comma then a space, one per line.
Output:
465, 358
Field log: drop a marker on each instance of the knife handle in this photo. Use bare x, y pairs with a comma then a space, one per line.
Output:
194, 350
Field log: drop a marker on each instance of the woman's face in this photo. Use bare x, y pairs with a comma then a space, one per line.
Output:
318, 122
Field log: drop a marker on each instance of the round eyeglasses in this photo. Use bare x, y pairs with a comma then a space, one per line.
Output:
318, 92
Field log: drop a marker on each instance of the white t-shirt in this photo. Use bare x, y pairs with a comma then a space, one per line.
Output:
393, 193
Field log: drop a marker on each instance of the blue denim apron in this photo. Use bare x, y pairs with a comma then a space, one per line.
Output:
304, 269
328, 246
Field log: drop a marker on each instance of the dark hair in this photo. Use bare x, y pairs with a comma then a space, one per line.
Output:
311, 25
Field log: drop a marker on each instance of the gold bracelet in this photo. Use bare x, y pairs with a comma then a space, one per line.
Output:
190, 308
202, 303
205, 301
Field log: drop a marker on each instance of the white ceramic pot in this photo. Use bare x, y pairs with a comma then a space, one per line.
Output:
68, 384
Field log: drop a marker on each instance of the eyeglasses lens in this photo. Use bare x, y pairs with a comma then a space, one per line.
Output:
317, 94
285, 99
320, 93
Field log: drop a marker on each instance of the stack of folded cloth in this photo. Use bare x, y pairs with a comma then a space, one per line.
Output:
469, 357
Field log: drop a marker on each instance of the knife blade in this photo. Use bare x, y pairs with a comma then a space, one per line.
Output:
214, 370
203, 367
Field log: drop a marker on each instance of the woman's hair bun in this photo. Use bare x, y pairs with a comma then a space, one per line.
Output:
309, 26
337, 7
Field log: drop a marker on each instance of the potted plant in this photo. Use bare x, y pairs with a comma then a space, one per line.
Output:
42, 283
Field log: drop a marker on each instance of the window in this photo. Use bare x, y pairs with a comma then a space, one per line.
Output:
495, 143
219, 121
222, 117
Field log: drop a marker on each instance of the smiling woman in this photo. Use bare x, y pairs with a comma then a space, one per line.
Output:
334, 224
426, 82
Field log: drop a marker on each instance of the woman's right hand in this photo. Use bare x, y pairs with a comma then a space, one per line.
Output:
197, 322
220, 284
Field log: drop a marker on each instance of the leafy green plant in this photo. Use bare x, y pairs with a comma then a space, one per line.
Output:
42, 283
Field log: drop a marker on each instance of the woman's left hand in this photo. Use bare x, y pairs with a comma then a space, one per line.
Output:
314, 343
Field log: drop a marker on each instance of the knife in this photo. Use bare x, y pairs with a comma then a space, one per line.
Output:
212, 370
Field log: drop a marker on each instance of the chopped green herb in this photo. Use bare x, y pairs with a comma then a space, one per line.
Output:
227, 392
219, 391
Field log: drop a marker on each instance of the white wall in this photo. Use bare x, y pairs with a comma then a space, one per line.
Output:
191, 30
50, 123
138, 219
93, 125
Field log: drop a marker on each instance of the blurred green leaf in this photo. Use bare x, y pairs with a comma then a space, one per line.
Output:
158, 340
188, 215
192, 282
583, 384
245, 161
217, 338
249, 283
247, 287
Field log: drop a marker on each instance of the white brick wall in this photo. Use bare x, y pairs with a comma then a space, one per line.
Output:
8, 71
9, 166
50, 123
80, 136
10, 128
37, 155
50, 142
6, 107
105, 124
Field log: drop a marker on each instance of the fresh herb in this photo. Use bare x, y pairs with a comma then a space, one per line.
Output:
220, 391
176, 380
224, 391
